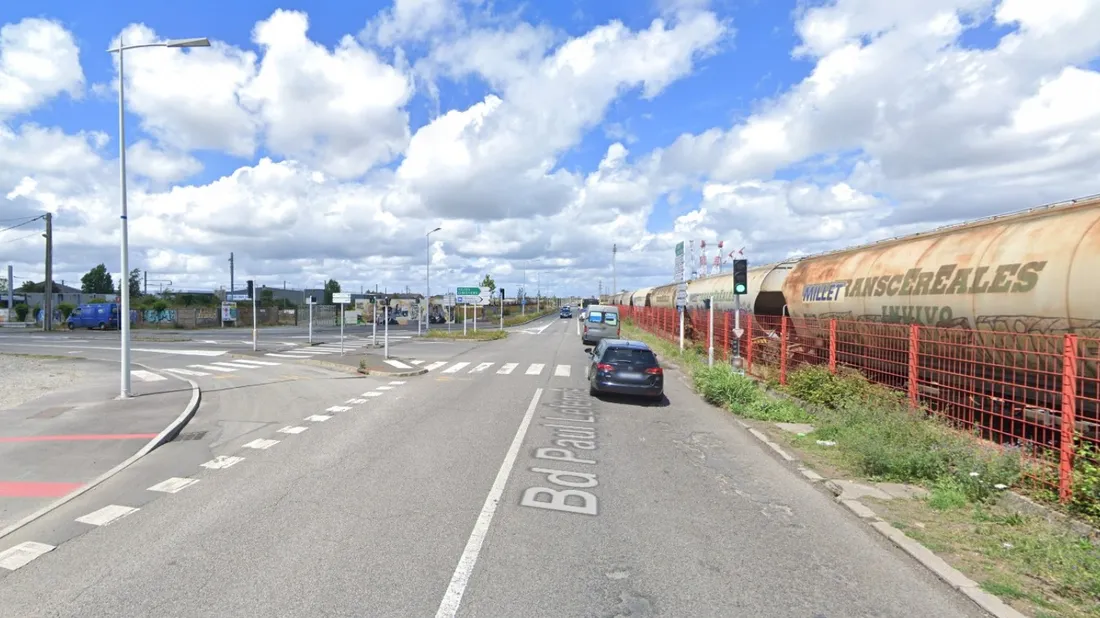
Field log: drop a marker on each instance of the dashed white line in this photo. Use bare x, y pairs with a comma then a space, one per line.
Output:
106, 515
173, 485
356, 401
22, 554
397, 382
453, 597
384, 388
562, 371
372, 394
337, 409
507, 368
293, 430
317, 418
535, 369
260, 443
221, 462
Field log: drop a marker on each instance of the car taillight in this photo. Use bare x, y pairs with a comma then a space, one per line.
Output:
604, 367
654, 371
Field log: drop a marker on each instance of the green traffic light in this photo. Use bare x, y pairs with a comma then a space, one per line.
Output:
740, 289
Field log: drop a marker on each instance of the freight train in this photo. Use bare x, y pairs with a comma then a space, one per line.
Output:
1031, 272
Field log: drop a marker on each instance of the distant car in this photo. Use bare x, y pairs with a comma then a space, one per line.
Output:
600, 322
566, 313
625, 367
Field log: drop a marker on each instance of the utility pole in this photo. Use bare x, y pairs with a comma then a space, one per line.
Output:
232, 286
614, 279
145, 283
47, 319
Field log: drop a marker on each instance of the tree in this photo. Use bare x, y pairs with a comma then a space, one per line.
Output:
135, 283
331, 286
488, 282
97, 281
267, 297
32, 287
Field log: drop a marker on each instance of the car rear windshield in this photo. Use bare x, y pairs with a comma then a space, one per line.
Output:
630, 355
595, 317
610, 318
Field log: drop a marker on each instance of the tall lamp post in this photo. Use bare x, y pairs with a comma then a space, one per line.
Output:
428, 277
124, 313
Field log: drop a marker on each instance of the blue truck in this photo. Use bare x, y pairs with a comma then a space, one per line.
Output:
103, 316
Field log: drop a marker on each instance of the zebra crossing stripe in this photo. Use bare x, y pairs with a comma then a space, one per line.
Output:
187, 372
535, 369
234, 364
298, 356
435, 365
396, 363
481, 367
146, 376
455, 368
213, 368
507, 368
418, 362
561, 371
258, 363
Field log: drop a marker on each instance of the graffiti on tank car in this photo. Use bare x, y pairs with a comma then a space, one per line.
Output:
1014, 278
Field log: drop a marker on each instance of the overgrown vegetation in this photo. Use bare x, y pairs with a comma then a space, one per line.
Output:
517, 319
863, 429
471, 334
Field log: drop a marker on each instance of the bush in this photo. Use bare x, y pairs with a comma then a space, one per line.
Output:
21, 311
721, 385
66, 310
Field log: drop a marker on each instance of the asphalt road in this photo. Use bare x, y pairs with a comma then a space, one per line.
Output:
451, 495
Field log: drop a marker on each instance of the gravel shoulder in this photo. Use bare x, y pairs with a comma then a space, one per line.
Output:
24, 378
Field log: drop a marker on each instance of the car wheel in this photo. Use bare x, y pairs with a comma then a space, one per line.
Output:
592, 390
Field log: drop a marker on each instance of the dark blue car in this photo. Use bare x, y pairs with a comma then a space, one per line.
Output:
625, 367
566, 313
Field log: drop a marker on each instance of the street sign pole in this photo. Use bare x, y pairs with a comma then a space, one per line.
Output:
386, 334
254, 334
463, 320
343, 318
737, 332
502, 310
310, 323
374, 323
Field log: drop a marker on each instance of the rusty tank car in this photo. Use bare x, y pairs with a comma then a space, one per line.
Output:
1028, 272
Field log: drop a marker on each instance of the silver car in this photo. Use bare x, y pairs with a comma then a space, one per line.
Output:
600, 321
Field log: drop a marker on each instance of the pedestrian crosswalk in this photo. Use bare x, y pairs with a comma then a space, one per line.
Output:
482, 368
204, 369
325, 349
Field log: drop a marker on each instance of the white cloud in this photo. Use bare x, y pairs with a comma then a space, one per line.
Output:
897, 126
38, 61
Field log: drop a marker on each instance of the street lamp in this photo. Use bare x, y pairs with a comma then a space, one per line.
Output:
124, 312
428, 276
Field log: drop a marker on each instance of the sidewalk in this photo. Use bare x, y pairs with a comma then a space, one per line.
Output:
56, 446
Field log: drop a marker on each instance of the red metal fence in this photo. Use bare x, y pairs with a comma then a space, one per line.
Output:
1033, 391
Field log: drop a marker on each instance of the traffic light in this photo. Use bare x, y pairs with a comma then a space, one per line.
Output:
250, 289
740, 276
706, 304
502, 293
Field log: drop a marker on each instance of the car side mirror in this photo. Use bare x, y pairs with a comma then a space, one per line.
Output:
588, 351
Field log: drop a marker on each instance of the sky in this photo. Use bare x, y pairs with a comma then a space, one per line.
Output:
325, 139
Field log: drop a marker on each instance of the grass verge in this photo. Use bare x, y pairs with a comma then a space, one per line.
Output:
471, 335
862, 430
517, 320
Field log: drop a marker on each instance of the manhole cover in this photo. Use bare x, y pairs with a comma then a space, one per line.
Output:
191, 435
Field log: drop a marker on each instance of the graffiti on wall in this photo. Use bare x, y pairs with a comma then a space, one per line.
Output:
152, 316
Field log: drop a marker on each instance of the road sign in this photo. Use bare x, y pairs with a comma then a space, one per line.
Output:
341, 298
449, 299
469, 291
474, 296
737, 332
681, 287
238, 296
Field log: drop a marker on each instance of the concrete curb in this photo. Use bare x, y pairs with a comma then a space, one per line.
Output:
938, 566
166, 435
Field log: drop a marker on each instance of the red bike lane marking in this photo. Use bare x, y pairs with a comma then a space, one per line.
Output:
25, 489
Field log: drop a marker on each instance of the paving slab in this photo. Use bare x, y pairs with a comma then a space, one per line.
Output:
56, 444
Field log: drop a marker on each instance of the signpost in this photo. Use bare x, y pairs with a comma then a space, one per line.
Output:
341, 298
474, 296
312, 300
681, 289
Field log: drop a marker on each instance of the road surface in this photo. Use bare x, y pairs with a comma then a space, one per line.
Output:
491, 486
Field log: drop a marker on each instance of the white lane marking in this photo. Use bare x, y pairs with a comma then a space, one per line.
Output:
481, 367
397, 382
106, 515
173, 485
260, 443
418, 362
292, 430
398, 364
68, 346
507, 368
186, 372
562, 371
372, 394
317, 418
356, 401
212, 368
233, 364
23, 553
535, 369
257, 362
222, 462
455, 368
383, 388
146, 376
285, 355
435, 365
337, 409
313, 351
453, 597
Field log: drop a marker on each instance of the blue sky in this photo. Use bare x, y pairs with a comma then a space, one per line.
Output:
723, 89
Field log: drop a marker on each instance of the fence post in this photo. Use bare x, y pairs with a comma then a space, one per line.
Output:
726, 347
783, 350
832, 345
748, 342
914, 365
1069, 414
